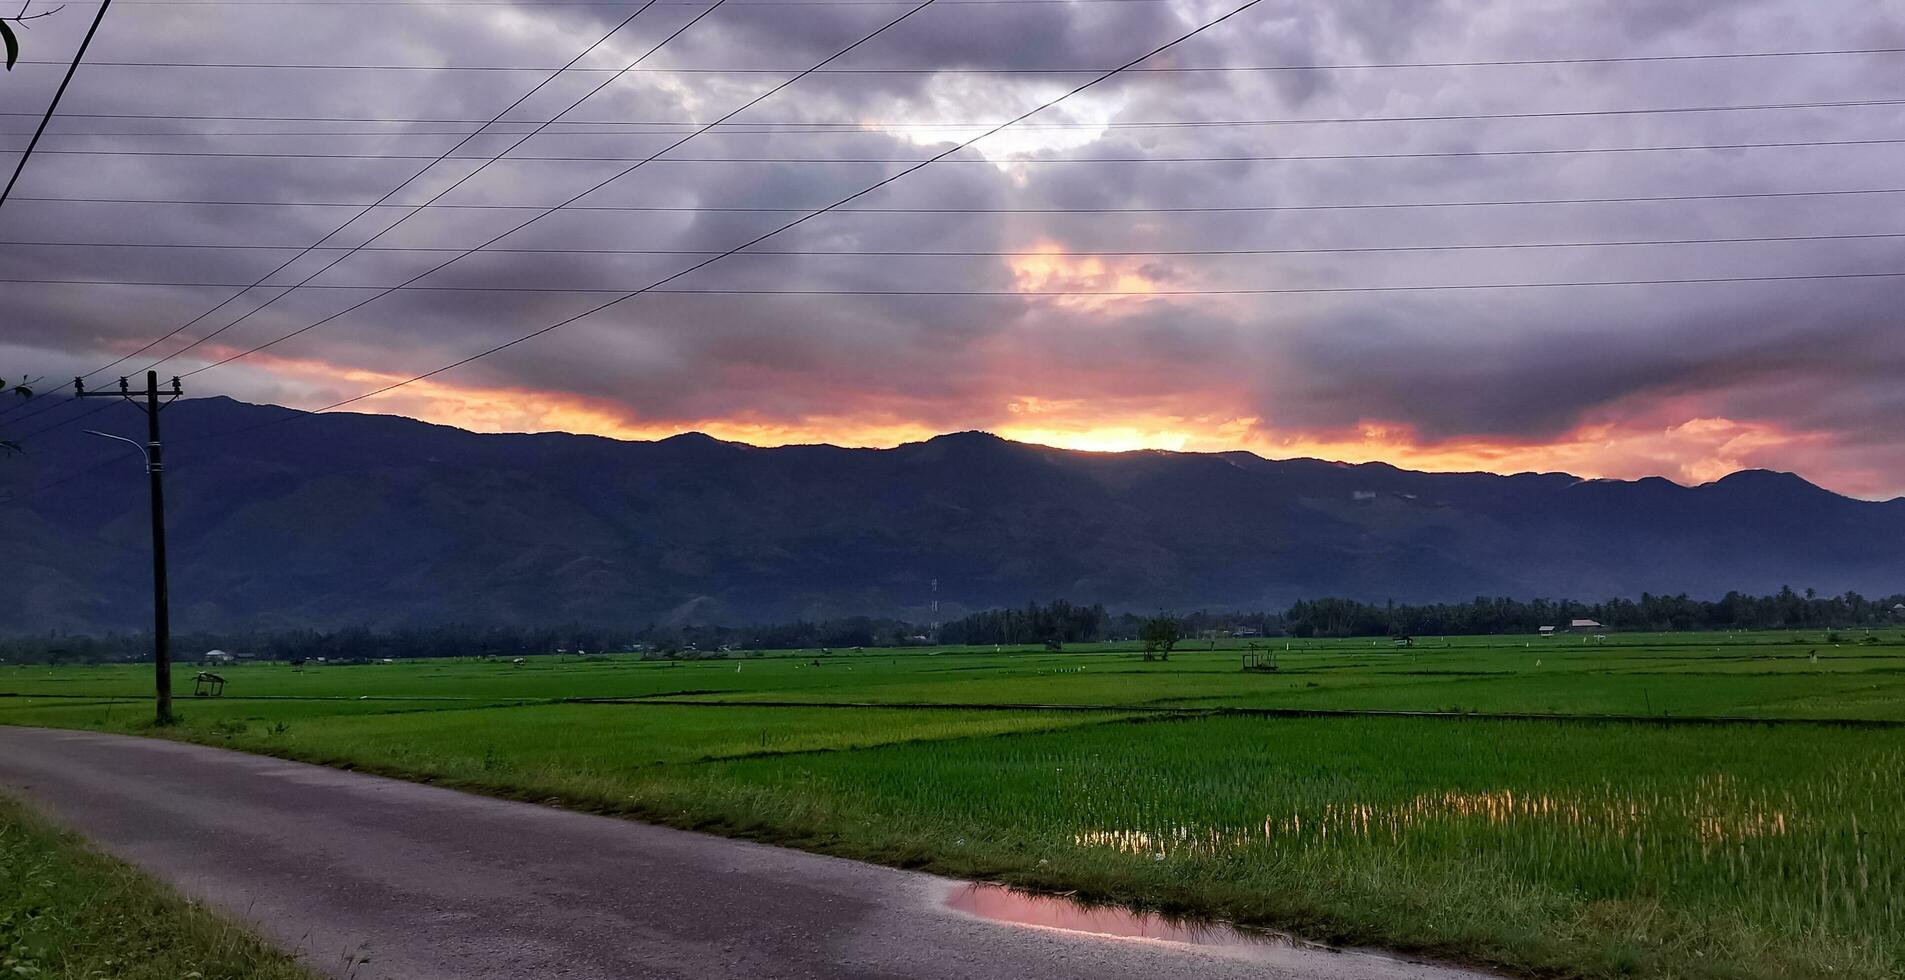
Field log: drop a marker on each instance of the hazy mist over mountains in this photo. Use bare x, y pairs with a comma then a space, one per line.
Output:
382, 521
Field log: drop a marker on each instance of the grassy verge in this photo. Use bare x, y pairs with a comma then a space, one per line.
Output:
67, 912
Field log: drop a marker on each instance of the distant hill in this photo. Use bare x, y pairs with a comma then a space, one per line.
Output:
381, 521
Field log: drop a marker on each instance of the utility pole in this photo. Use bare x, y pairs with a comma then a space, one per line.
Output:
155, 470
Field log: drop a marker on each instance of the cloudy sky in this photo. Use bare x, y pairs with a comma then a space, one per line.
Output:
959, 296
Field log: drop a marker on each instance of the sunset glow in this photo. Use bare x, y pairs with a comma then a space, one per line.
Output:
1355, 265
1691, 451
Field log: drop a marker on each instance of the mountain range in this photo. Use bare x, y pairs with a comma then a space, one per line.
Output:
279, 519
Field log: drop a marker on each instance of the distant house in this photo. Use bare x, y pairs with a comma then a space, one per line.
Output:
219, 657
1899, 610
1584, 624
1546, 631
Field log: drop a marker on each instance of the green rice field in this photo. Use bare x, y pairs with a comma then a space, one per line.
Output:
1687, 805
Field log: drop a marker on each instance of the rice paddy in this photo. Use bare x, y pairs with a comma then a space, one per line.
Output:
1703, 805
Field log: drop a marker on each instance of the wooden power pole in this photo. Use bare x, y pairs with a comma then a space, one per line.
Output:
154, 400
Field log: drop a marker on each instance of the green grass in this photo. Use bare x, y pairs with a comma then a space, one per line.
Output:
562, 749
1637, 673
1587, 848
1773, 675
67, 913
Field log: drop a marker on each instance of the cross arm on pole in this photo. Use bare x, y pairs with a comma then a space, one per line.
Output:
125, 391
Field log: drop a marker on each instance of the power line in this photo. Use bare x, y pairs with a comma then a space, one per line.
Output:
481, 246
19, 166
588, 3
37, 406
52, 105
966, 253
449, 155
846, 127
70, 477
803, 218
1214, 209
1237, 158
373, 205
625, 292
899, 124
460, 181
1172, 70
751, 103
370, 207
24, 436
840, 206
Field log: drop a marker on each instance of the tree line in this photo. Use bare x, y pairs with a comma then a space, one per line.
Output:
344, 645
360, 644
1785, 609
1056, 622
1053, 624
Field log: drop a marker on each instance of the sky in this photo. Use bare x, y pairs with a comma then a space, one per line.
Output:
1331, 328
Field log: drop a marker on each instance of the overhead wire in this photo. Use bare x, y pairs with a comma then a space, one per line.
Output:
1160, 69
50, 406
969, 253
459, 182
1036, 161
53, 104
756, 100
367, 209
46, 117
1167, 209
1133, 67
849, 126
589, 3
111, 460
660, 283
626, 292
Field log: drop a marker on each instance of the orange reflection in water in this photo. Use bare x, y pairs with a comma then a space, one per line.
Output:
1000, 904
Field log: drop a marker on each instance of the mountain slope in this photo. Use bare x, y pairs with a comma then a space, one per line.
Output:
349, 519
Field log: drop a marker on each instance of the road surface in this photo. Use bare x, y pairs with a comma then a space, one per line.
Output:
376, 878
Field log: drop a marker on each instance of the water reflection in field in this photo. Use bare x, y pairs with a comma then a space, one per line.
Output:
1001, 904
1714, 815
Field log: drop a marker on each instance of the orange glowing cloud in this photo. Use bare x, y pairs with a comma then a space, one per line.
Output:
1692, 451
1688, 449
1047, 267
510, 409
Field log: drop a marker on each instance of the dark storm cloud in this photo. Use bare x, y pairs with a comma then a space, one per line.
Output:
1816, 360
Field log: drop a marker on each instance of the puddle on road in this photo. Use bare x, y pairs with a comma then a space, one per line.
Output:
998, 903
